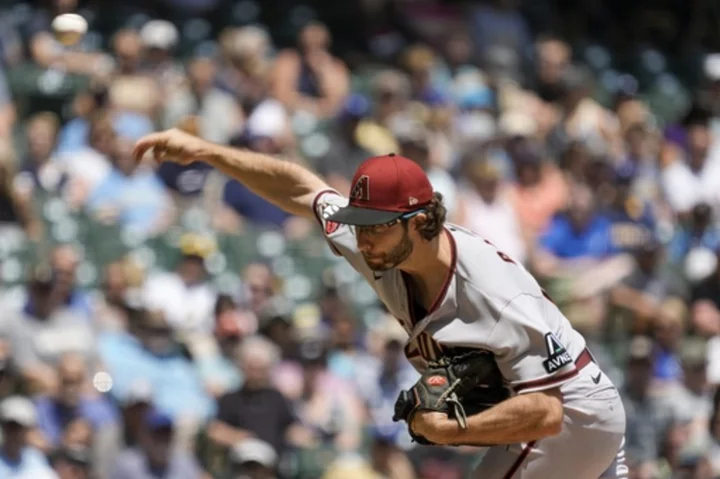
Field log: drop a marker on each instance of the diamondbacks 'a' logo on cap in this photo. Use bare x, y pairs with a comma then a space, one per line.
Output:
361, 189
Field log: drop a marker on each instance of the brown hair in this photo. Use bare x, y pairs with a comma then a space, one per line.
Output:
435, 214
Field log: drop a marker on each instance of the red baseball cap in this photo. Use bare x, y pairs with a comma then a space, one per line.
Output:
385, 188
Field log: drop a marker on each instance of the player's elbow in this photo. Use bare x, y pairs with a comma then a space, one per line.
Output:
552, 418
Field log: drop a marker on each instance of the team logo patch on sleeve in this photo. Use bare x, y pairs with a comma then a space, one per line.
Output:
557, 355
330, 226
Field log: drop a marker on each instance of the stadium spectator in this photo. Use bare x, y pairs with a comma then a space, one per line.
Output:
256, 409
19, 459
310, 78
156, 455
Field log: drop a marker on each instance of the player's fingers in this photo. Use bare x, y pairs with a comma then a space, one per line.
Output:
145, 143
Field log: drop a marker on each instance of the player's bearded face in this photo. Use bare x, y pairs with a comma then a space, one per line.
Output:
382, 257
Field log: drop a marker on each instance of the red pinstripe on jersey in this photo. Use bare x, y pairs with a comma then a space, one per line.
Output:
521, 458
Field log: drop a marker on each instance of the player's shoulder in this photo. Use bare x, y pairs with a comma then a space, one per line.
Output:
485, 273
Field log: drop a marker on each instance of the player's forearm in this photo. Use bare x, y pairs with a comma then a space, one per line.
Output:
522, 418
287, 185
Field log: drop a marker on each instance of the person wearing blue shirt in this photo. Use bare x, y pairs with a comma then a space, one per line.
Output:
134, 193
150, 353
580, 232
699, 233
56, 412
632, 219
18, 460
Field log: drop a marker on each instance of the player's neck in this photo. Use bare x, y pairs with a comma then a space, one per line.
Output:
429, 262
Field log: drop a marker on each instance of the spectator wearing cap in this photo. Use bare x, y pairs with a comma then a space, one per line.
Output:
219, 115
17, 458
76, 400
252, 459
156, 455
485, 207
256, 409
185, 296
346, 152
310, 78
45, 330
134, 407
650, 420
160, 39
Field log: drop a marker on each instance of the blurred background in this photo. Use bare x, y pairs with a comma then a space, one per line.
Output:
166, 322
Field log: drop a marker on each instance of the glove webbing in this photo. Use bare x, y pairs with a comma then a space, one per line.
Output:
450, 397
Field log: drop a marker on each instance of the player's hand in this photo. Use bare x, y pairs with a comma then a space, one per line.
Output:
172, 145
434, 426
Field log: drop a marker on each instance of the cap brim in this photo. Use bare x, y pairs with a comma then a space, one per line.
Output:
353, 215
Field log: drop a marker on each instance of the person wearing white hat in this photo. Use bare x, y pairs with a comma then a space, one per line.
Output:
252, 459
19, 460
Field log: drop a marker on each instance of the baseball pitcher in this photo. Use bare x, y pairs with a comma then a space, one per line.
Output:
500, 365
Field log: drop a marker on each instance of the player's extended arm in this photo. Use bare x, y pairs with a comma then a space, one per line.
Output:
283, 183
522, 418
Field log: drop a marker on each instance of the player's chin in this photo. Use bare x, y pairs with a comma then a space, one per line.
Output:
377, 264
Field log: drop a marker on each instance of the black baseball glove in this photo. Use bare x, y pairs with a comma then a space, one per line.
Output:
459, 386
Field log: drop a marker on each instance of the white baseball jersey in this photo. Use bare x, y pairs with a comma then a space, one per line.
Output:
488, 302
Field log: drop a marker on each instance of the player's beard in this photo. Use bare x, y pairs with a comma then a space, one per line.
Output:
392, 258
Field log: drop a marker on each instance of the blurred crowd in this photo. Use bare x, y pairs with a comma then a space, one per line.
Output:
608, 193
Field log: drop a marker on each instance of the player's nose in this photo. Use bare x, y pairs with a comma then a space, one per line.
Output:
363, 243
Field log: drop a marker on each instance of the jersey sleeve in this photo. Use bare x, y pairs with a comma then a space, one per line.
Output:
530, 356
340, 237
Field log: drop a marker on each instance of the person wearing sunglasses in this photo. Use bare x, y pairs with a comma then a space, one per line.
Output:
452, 291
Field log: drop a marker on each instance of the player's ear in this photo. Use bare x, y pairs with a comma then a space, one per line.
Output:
419, 220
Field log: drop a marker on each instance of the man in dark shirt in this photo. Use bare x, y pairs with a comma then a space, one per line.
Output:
256, 409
